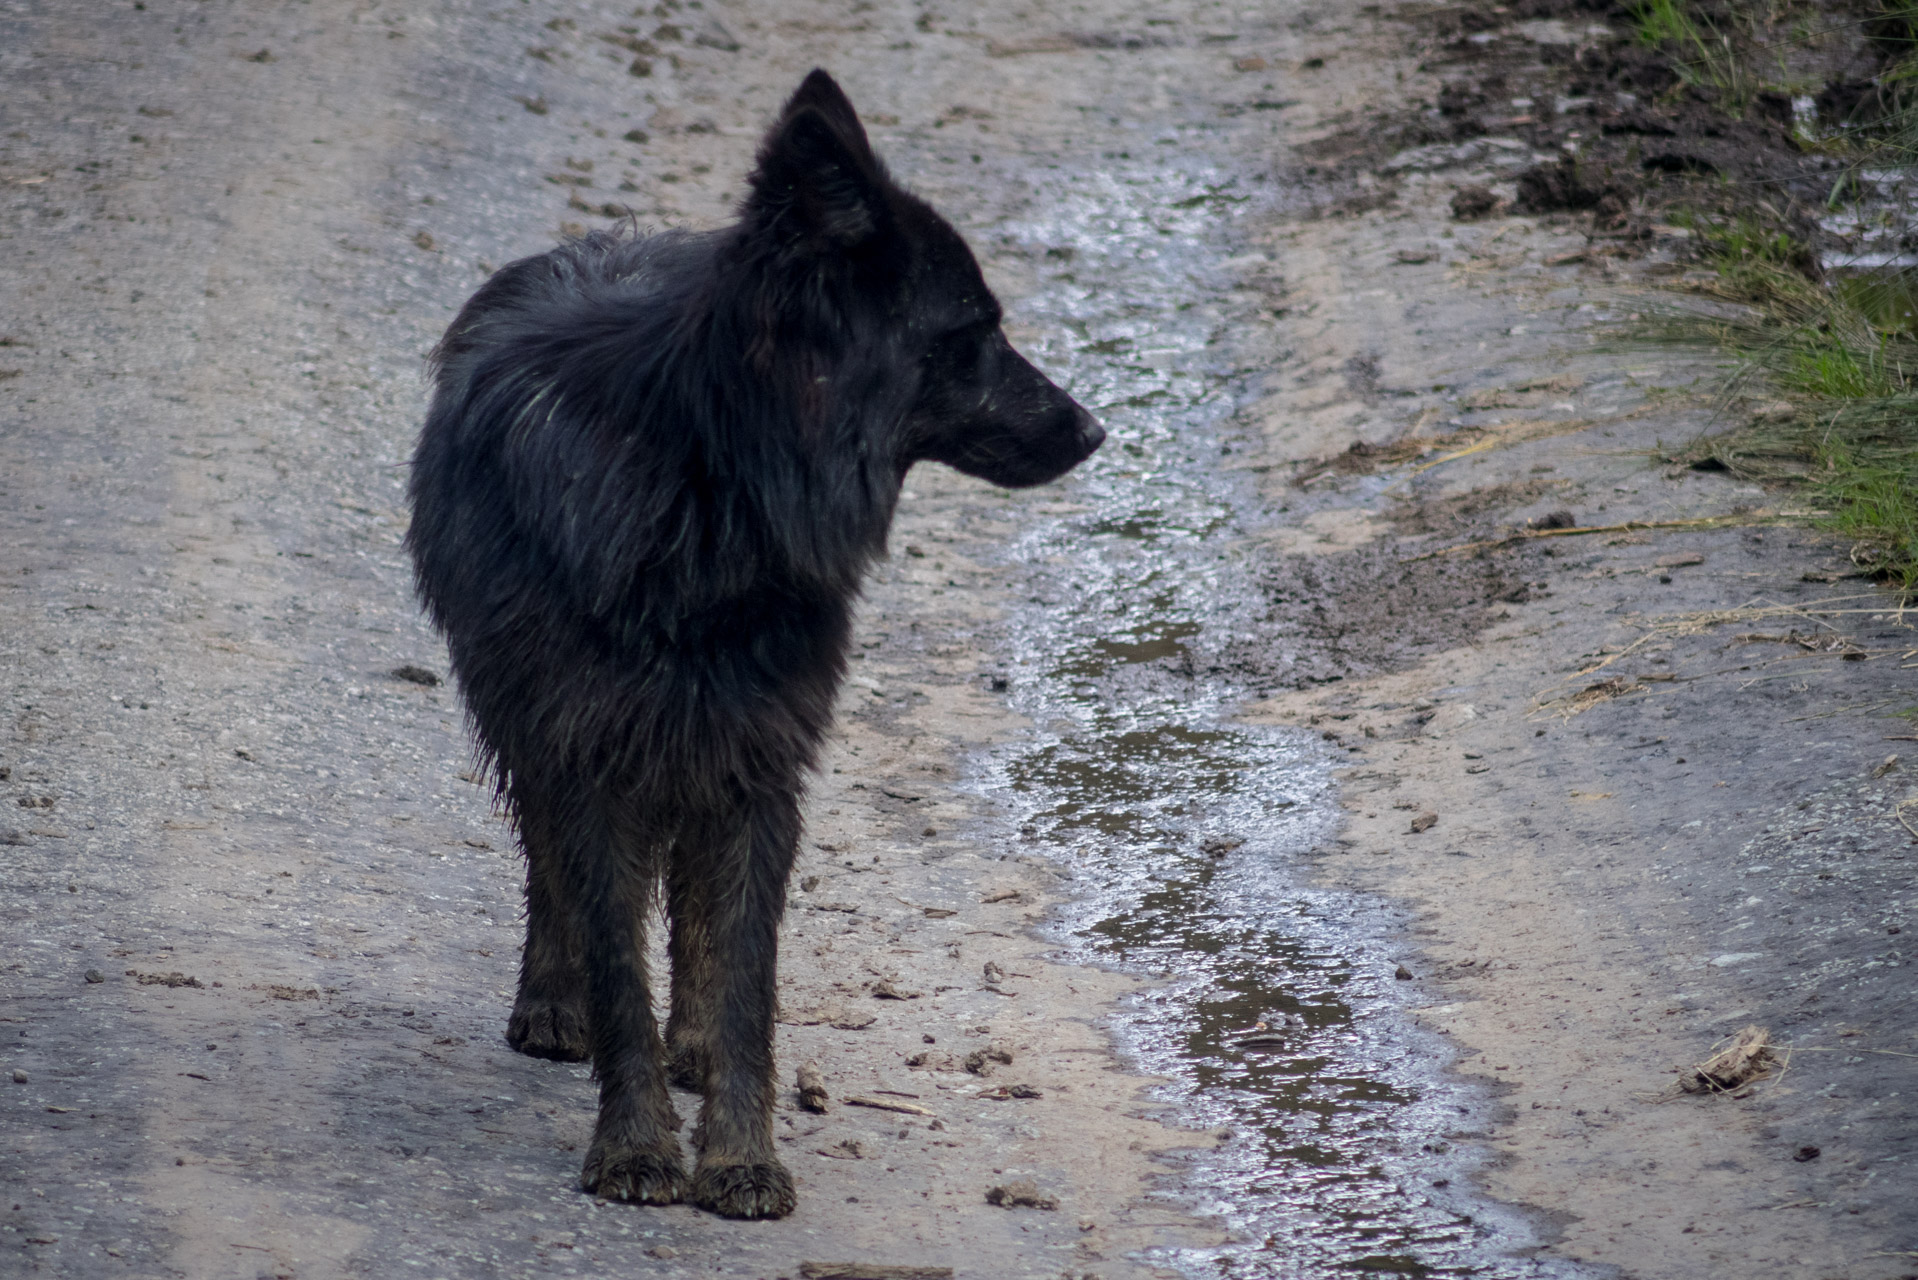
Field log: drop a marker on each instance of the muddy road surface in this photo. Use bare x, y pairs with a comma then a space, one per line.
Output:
1248, 843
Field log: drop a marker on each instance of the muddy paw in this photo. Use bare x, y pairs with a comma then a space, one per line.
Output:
641, 1175
744, 1190
548, 1029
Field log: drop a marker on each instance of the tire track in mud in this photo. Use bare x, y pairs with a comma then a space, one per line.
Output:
1188, 836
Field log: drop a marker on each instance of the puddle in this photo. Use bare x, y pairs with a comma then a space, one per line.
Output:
1189, 836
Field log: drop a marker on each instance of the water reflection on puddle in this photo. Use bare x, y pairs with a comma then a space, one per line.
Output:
1273, 1012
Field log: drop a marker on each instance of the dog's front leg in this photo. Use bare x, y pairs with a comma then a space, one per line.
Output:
738, 1174
635, 1151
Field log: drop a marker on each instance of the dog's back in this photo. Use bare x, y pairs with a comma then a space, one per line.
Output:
592, 534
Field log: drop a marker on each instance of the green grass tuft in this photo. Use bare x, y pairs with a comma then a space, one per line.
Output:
1659, 22
1877, 507
1842, 356
1705, 54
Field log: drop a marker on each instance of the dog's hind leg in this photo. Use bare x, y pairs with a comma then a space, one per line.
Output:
744, 863
549, 1014
691, 951
610, 868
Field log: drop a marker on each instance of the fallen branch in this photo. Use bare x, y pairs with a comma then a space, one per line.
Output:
886, 1104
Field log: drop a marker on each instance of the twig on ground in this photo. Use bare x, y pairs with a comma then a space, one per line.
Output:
1905, 822
1700, 522
886, 1104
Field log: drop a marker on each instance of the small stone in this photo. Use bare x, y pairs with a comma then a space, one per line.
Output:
19, 1076
1402, 973
1803, 1155
94, 975
1020, 1195
1424, 821
979, 1061
812, 1088
1471, 203
662, 1251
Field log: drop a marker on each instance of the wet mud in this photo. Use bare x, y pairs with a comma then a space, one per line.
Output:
1146, 621
1328, 919
1583, 114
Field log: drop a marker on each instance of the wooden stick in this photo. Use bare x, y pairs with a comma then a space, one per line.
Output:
1701, 522
887, 1104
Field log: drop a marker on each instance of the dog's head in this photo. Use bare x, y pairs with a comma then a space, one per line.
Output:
879, 302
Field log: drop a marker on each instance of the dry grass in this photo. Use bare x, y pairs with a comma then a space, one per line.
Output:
1629, 526
1821, 637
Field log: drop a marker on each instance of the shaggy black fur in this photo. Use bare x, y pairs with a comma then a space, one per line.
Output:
653, 475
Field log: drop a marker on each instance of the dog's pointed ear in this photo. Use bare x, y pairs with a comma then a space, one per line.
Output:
820, 92
818, 181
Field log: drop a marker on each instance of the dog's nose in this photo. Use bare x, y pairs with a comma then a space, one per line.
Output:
1091, 434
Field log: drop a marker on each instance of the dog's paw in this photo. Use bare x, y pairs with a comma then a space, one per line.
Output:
745, 1190
643, 1175
548, 1029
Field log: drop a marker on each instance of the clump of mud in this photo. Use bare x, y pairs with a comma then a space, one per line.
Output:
1374, 609
1387, 605
1645, 130
1747, 1056
1568, 185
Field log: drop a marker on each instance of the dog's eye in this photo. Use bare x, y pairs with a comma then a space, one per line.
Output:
964, 345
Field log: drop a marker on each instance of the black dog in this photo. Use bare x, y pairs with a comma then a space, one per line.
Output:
654, 472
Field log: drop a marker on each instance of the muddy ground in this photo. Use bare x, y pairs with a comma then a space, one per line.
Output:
261, 932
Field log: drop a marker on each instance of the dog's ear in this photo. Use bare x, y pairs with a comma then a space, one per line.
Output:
820, 92
818, 181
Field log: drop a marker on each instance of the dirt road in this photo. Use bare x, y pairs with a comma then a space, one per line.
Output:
260, 933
